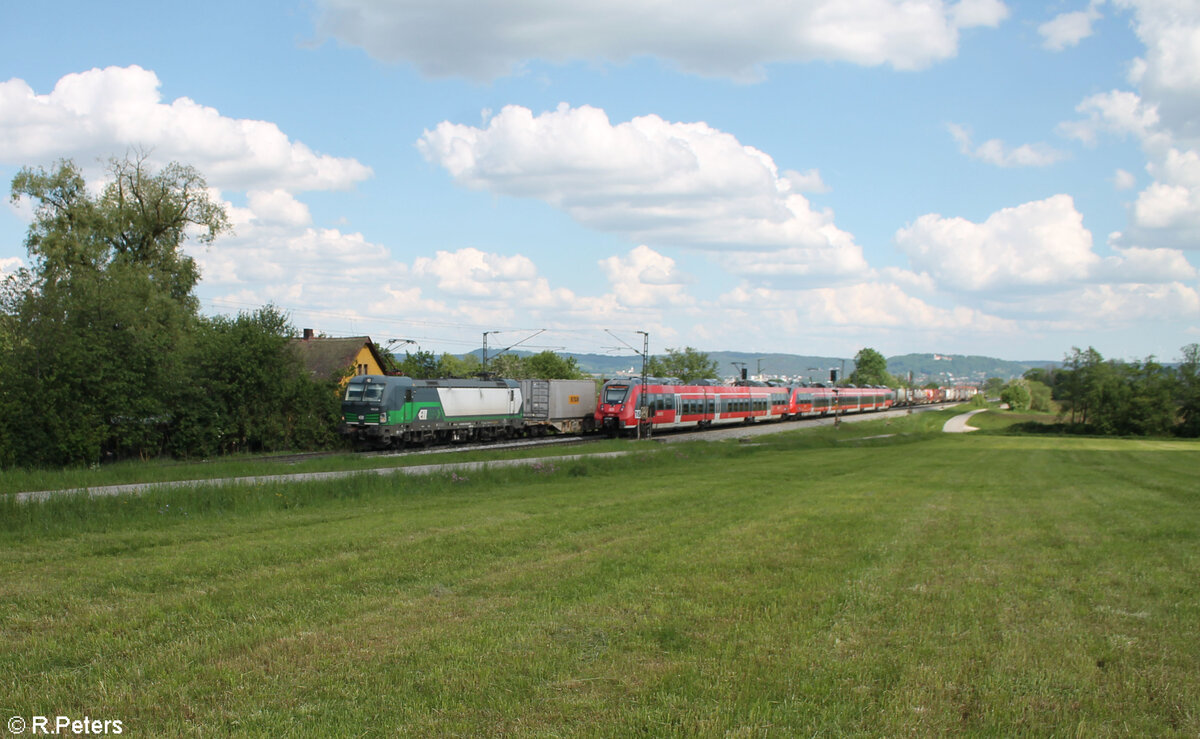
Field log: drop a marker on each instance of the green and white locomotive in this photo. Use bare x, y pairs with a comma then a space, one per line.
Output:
380, 411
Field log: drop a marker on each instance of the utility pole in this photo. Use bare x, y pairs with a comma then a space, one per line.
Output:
485, 356
641, 409
642, 396
837, 398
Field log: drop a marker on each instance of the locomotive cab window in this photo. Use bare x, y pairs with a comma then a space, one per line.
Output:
614, 394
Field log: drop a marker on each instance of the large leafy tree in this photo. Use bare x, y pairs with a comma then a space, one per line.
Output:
687, 364
248, 391
421, 365
1189, 391
103, 311
870, 368
547, 365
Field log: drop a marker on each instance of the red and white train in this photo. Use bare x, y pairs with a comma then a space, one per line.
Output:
668, 405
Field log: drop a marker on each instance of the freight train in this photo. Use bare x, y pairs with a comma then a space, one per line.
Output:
394, 412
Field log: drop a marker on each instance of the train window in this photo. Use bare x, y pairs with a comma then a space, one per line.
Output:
373, 392
354, 391
614, 394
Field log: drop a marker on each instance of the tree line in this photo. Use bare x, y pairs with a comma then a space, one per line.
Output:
1114, 397
103, 351
546, 365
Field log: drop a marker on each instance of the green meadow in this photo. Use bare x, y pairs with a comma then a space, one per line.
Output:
879, 579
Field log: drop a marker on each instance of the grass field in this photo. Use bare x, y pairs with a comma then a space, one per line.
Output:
802, 584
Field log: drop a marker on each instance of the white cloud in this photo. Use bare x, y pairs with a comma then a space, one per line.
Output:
1104, 307
843, 313
471, 273
809, 181
10, 265
493, 39
1035, 264
274, 256
652, 181
1123, 180
278, 206
1042, 243
799, 266
1168, 210
104, 112
1136, 265
1068, 29
996, 152
1117, 111
644, 277
1169, 73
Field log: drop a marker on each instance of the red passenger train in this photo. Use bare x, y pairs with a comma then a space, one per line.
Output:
669, 404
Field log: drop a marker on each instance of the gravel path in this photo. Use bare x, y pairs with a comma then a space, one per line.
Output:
423, 469
958, 424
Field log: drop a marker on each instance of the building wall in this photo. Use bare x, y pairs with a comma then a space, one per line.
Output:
365, 364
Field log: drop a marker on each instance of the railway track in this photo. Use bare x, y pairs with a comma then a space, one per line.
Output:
715, 433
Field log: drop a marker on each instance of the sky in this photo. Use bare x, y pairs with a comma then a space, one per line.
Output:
811, 177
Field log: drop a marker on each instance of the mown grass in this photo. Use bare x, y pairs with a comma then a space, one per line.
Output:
1003, 420
165, 470
800, 584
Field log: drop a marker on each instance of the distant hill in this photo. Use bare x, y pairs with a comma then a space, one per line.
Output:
941, 368
957, 368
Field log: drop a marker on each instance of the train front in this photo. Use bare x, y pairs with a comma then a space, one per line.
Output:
368, 406
616, 410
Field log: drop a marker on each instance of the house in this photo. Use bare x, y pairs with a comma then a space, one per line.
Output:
338, 359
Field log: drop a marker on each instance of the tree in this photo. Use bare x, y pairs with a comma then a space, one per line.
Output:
452, 366
1188, 391
1081, 383
687, 364
547, 365
1039, 396
1016, 395
992, 387
247, 390
102, 311
422, 365
870, 368
506, 365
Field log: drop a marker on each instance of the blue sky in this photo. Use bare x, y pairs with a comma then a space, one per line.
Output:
812, 177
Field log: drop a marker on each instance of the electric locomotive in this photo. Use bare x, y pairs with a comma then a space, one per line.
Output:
381, 412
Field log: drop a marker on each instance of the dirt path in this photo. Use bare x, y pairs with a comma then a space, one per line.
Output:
958, 424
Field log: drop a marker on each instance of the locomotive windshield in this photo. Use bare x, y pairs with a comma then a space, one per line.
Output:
366, 392
615, 394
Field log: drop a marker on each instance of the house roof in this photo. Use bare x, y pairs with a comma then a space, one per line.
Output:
329, 358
